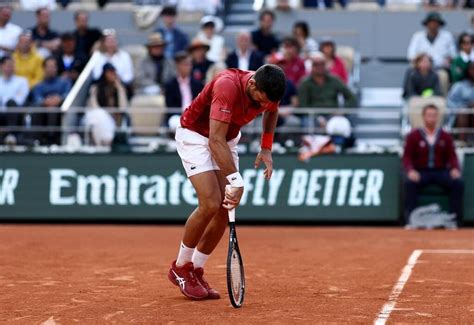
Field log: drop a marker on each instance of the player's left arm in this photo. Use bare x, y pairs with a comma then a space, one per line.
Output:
265, 155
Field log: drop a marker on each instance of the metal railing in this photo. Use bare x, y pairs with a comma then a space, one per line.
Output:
391, 117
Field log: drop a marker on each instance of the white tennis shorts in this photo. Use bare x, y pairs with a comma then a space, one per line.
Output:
195, 153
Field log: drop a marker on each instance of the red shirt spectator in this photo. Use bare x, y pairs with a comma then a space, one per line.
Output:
420, 155
290, 60
338, 69
430, 159
335, 64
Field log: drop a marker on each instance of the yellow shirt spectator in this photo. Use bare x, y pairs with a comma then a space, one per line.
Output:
29, 65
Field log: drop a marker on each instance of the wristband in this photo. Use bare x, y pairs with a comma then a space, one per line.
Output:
235, 180
267, 141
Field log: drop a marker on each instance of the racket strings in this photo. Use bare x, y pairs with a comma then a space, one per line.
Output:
236, 276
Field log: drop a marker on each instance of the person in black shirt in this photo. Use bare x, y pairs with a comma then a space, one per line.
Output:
198, 49
69, 63
244, 57
85, 37
47, 40
263, 38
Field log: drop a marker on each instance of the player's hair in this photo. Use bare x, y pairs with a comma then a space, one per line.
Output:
429, 106
271, 79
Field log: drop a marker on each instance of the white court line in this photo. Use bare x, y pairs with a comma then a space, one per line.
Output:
397, 288
449, 251
389, 306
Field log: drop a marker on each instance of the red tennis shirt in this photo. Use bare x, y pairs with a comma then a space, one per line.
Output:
224, 99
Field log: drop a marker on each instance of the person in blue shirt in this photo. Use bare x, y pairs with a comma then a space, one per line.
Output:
461, 95
176, 40
50, 93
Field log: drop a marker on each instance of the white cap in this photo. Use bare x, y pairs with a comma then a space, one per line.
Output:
339, 125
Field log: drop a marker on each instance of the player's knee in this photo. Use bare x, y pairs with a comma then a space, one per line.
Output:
222, 215
211, 206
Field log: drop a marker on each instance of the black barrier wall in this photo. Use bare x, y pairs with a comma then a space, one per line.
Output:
154, 187
468, 176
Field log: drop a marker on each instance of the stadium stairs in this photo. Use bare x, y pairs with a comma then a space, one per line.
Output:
239, 14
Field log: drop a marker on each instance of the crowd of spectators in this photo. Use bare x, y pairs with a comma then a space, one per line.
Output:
440, 68
317, 76
39, 66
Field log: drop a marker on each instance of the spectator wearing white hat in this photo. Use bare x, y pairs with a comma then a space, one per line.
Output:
211, 26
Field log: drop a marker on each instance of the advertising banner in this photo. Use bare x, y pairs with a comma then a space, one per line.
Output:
154, 187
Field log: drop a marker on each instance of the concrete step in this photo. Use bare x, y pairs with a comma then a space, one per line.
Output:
241, 20
239, 7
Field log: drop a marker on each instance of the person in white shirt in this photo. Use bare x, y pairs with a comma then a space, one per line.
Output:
9, 33
14, 90
110, 53
36, 4
211, 26
439, 44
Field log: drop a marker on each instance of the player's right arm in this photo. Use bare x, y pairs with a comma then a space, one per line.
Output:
222, 155
224, 97
219, 147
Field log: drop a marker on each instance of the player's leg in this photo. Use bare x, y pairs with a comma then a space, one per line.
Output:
182, 271
210, 201
215, 230
209, 240
217, 226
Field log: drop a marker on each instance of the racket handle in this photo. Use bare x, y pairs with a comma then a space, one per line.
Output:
232, 211
232, 215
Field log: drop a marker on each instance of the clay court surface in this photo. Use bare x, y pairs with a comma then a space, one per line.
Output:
117, 274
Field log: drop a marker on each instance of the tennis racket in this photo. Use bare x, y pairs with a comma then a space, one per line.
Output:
235, 266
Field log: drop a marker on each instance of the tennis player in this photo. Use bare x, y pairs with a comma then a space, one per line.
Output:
207, 144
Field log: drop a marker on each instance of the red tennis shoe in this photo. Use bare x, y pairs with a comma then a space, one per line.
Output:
188, 283
212, 293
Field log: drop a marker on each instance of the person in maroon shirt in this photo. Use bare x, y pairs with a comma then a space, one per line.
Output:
290, 60
207, 144
430, 158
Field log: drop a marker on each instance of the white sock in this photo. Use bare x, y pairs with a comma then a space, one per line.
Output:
199, 259
185, 255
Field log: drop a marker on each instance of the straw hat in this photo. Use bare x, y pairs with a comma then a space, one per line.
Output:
155, 39
197, 43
